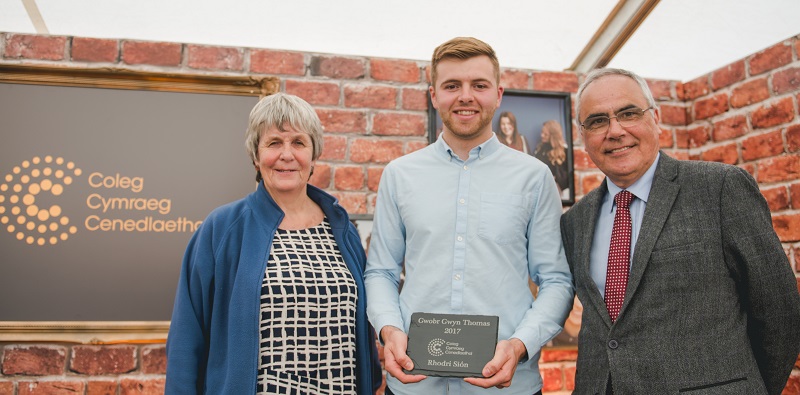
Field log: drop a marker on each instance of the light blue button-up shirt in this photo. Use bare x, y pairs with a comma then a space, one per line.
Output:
601, 241
470, 234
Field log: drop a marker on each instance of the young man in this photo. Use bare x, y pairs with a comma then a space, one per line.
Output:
470, 220
684, 283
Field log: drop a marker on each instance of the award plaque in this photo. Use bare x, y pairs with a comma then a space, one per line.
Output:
451, 345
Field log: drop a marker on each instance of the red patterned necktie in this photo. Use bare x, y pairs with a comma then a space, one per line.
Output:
619, 255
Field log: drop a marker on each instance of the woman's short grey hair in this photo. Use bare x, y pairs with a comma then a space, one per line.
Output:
281, 110
596, 74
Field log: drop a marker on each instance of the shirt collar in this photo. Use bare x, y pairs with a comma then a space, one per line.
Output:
483, 150
641, 187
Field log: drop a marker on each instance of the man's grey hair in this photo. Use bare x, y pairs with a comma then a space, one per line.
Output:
596, 74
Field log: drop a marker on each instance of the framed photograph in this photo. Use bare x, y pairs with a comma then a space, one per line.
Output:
537, 123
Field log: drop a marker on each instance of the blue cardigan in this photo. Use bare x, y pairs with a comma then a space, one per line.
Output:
213, 339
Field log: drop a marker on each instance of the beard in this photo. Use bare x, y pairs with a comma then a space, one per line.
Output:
467, 131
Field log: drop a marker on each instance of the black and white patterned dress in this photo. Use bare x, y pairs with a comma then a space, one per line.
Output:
308, 316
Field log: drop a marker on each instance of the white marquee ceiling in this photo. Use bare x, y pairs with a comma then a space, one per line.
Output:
675, 39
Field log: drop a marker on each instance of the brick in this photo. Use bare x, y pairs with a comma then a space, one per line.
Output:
794, 193
581, 159
348, 178
694, 137
750, 168
762, 146
141, 386
334, 148
154, 359
665, 138
374, 178
559, 354
780, 168
707, 108
555, 81
569, 375
370, 96
771, 58
60, 387
398, 124
337, 67
26, 46
749, 93
679, 154
322, 176
728, 75
394, 70
591, 181
152, 53
265, 61
786, 81
680, 94
787, 227
730, 128
661, 89
94, 50
514, 79
97, 387
215, 58
793, 138
353, 202
342, 121
6, 387
371, 199
412, 146
725, 153
34, 360
314, 92
414, 99
553, 378
772, 114
793, 384
375, 151
695, 88
777, 198
673, 115
100, 360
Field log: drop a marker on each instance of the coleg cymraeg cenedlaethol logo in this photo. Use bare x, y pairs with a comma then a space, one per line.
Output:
23, 193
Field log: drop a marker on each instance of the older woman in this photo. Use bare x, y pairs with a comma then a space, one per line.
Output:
270, 297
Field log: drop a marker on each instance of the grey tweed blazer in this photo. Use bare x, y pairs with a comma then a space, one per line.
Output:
711, 306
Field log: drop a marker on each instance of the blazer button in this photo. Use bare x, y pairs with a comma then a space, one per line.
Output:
613, 344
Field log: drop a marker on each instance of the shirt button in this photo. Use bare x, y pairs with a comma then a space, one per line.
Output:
462, 201
457, 277
466, 167
459, 238
613, 344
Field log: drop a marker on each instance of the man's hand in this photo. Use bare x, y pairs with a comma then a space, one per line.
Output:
395, 359
500, 370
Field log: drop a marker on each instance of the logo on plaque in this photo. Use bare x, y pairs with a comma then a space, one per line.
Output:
435, 347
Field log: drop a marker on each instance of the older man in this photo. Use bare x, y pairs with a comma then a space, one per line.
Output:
684, 283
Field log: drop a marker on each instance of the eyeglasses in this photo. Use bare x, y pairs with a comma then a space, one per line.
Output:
628, 117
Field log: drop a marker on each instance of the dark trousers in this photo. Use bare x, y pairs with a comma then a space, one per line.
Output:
389, 392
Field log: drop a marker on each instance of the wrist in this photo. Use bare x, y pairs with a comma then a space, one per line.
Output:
519, 348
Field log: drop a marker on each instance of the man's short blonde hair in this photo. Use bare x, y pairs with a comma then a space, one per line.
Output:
463, 48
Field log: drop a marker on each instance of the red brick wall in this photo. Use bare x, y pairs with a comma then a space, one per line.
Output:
375, 110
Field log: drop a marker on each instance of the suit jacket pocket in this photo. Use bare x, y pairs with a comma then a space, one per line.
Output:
502, 218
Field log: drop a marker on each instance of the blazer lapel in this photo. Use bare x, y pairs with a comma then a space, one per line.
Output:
663, 193
583, 243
